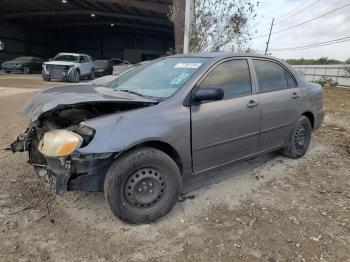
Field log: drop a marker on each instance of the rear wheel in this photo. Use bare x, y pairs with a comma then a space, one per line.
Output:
142, 186
92, 74
7, 72
26, 70
299, 139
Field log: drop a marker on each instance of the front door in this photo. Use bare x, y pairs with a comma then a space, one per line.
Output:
225, 130
279, 97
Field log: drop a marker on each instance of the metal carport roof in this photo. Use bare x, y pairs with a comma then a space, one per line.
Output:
146, 14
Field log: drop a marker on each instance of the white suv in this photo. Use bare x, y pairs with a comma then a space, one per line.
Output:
69, 66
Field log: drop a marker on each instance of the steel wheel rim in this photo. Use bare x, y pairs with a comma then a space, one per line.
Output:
301, 138
26, 70
145, 188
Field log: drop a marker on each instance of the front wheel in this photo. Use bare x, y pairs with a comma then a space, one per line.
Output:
45, 76
76, 76
142, 186
299, 139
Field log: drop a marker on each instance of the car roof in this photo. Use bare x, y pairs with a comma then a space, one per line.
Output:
71, 54
222, 55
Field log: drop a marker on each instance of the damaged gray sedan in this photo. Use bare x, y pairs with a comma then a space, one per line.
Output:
141, 135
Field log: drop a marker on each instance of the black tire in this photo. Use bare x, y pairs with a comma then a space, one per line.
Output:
7, 72
92, 75
45, 76
26, 70
75, 76
299, 139
142, 186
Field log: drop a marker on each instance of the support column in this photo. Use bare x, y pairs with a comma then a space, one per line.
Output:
179, 24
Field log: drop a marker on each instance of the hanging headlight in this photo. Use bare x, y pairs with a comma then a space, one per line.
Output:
59, 143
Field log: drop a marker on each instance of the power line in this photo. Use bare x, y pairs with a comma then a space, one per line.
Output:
285, 17
305, 22
294, 11
343, 38
310, 47
320, 44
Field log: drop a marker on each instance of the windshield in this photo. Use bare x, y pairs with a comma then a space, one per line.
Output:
159, 78
66, 58
23, 59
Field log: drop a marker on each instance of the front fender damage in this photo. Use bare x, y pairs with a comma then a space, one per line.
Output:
78, 171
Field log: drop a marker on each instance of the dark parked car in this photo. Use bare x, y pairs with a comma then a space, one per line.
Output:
24, 64
105, 67
139, 136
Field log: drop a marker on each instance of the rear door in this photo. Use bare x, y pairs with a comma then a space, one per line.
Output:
225, 130
85, 67
279, 97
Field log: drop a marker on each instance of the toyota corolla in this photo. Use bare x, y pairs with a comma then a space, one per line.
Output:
138, 137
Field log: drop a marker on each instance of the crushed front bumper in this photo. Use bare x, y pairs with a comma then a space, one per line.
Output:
83, 172
58, 72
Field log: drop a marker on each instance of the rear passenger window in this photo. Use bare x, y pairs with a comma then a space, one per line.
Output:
232, 76
272, 76
290, 80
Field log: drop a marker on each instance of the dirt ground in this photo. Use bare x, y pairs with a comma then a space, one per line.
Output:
267, 209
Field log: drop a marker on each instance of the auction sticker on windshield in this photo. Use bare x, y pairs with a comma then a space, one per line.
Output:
188, 65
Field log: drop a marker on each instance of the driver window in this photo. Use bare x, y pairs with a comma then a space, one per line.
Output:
231, 76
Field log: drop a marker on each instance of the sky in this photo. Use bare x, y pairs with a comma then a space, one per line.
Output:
291, 12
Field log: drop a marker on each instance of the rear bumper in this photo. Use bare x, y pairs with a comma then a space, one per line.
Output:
102, 72
319, 117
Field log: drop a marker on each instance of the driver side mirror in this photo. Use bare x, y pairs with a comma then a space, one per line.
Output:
212, 93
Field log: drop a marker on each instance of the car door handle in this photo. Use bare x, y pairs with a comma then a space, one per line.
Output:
295, 95
252, 104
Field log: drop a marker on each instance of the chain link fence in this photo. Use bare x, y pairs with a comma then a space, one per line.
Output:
336, 72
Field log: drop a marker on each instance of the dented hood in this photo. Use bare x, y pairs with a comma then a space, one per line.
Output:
52, 98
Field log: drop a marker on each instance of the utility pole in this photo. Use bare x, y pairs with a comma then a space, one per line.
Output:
189, 9
268, 40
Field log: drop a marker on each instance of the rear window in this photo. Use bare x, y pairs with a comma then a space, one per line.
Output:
24, 59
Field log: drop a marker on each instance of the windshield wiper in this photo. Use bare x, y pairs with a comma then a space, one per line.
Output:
128, 91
